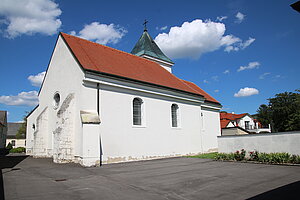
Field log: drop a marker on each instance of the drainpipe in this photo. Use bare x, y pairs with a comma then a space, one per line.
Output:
98, 111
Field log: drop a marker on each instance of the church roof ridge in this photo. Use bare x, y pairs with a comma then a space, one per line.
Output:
104, 46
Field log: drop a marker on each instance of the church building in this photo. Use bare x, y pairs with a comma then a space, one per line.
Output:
99, 105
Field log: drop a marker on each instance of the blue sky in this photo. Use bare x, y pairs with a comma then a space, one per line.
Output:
240, 52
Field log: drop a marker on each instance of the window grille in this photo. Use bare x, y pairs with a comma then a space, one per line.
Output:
174, 112
137, 111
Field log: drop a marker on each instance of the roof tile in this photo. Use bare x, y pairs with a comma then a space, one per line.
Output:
103, 59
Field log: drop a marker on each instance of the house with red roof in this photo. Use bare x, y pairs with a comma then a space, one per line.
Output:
239, 124
101, 105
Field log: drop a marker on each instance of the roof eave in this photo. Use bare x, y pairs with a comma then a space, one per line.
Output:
144, 82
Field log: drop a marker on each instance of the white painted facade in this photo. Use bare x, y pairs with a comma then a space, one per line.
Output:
17, 142
253, 127
58, 131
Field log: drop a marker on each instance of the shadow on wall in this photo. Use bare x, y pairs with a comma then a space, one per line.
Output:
8, 162
290, 191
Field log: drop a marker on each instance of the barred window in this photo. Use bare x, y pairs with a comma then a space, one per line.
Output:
137, 111
174, 113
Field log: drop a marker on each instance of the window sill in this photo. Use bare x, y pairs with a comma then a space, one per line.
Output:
138, 126
176, 128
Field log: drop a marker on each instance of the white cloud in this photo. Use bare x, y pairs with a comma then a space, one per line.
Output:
161, 28
238, 45
245, 92
221, 18
251, 65
239, 17
101, 33
192, 39
29, 17
22, 99
36, 80
262, 76
205, 81
216, 90
226, 71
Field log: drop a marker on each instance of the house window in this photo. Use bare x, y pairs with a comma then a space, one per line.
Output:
174, 113
13, 143
137, 111
247, 125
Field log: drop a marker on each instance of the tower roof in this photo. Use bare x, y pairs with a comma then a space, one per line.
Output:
147, 46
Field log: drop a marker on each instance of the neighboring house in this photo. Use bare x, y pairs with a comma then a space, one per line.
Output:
237, 124
101, 105
3, 129
12, 130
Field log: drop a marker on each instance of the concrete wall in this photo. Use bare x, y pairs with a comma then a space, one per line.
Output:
233, 131
266, 142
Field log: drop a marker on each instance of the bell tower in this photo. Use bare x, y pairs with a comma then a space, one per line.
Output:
147, 48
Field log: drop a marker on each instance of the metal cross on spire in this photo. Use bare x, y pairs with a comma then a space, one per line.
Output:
145, 25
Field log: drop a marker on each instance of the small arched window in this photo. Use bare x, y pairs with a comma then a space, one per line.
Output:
137, 111
56, 100
174, 113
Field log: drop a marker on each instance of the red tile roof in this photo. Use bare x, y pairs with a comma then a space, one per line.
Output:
225, 118
224, 123
103, 59
200, 91
231, 116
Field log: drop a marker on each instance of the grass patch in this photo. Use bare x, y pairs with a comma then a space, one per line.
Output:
206, 155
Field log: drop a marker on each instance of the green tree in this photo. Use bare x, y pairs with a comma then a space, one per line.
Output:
264, 115
22, 130
282, 112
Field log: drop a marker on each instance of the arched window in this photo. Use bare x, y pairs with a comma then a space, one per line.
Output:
137, 111
174, 113
56, 100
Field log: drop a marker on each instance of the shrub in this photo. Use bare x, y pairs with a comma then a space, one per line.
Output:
253, 155
295, 159
279, 157
221, 156
276, 158
240, 155
224, 156
263, 157
17, 150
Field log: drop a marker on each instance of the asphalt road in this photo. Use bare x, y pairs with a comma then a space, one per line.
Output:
177, 178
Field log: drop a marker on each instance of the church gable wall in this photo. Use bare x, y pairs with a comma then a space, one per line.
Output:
64, 77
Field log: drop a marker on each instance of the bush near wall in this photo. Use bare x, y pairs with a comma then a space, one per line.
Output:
273, 158
17, 150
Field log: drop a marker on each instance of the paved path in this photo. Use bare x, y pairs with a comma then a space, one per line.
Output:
177, 178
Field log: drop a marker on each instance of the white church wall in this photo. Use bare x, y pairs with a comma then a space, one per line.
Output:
122, 141
31, 121
40, 138
91, 145
211, 128
63, 76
